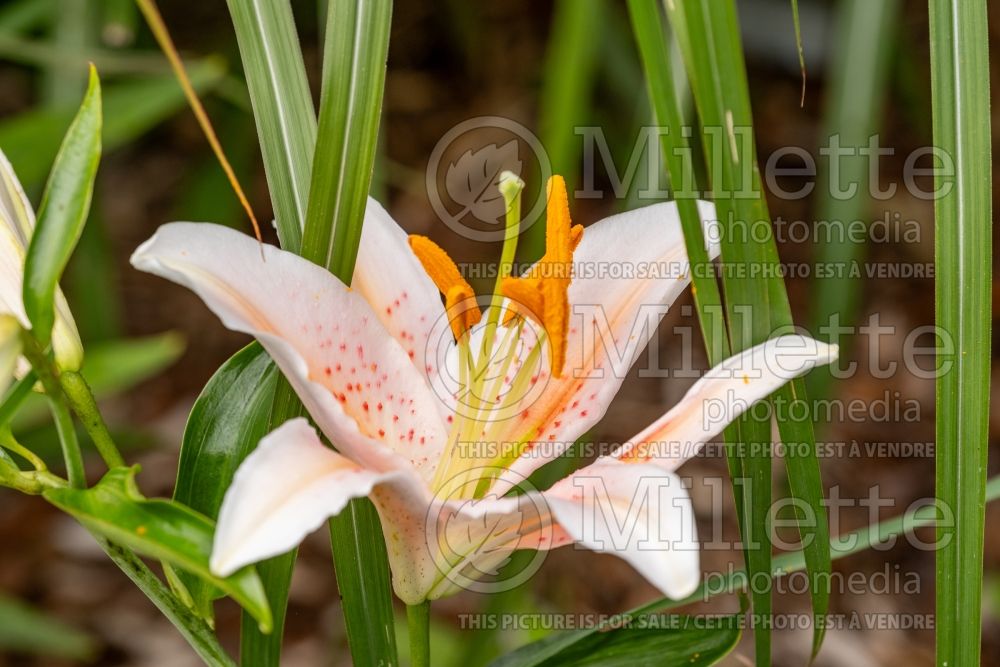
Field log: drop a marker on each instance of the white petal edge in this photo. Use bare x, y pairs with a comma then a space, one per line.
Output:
299, 312
284, 490
636, 512
723, 394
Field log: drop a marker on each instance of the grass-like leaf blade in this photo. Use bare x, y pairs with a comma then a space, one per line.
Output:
963, 228
660, 641
63, 212
282, 107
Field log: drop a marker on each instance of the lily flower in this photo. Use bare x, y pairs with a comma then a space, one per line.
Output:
17, 224
438, 411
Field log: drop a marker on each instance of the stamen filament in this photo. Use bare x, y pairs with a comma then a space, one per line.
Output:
510, 187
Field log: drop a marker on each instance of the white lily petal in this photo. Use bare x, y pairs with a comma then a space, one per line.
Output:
400, 292
10, 349
17, 221
11, 276
283, 491
637, 512
15, 209
437, 547
722, 395
353, 377
627, 270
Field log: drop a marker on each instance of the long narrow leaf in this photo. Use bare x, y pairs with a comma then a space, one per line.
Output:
882, 533
963, 254
708, 34
859, 71
357, 43
282, 105
226, 423
63, 212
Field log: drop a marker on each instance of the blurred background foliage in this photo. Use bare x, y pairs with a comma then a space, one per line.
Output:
549, 65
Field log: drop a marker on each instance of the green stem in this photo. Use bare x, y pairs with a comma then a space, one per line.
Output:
70, 445
16, 396
418, 621
195, 630
10, 443
81, 399
43, 367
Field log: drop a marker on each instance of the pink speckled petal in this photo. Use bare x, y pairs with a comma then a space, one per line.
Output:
627, 269
353, 377
722, 395
396, 286
439, 547
639, 513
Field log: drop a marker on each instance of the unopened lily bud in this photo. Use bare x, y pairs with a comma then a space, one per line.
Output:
17, 223
10, 349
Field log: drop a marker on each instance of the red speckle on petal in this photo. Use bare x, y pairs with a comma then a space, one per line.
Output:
342, 398
381, 432
379, 406
583, 413
364, 406
328, 370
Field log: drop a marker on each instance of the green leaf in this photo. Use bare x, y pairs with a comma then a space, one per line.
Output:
63, 212
362, 566
963, 229
842, 546
798, 47
356, 47
645, 641
226, 423
162, 529
282, 107
859, 71
708, 34
26, 630
195, 631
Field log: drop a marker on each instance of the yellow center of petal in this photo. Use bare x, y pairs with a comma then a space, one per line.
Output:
491, 385
541, 294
